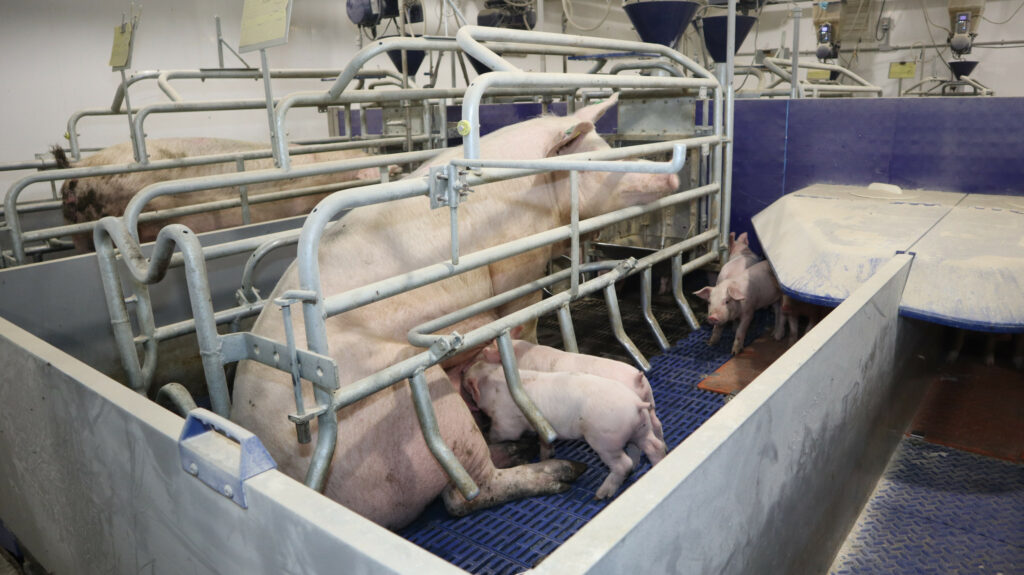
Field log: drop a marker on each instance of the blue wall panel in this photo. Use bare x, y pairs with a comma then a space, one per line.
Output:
971, 145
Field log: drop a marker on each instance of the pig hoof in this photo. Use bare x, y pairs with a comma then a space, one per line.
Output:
512, 453
712, 340
990, 360
737, 348
562, 469
778, 335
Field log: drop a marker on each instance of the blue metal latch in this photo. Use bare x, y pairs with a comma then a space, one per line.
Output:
221, 454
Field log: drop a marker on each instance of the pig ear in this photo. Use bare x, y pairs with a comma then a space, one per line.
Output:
472, 385
517, 331
491, 354
567, 140
703, 293
743, 239
735, 292
594, 112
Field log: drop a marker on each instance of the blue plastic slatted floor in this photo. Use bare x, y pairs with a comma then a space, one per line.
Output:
939, 510
516, 536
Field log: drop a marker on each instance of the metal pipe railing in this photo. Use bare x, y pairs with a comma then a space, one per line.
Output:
783, 69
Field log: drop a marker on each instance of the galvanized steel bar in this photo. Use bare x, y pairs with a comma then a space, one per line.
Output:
574, 232
678, 271
566, 328
645, 306
111, 233
611, 299
432, 434
518, 393
379, 290
247, 291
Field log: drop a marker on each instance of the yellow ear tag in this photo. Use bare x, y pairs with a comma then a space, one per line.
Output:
463, 128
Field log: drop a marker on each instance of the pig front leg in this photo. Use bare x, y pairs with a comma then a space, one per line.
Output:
794, 328
958, 344
716, 334
780, 325
504, 485
741, 332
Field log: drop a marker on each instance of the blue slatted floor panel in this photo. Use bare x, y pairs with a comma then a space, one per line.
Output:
516, 536
939, 510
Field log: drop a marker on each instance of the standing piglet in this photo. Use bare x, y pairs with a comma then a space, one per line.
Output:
793, 310
739, 297
740, 258
534, 357
577, 405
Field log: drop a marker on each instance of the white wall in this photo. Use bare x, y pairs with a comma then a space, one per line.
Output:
56, 53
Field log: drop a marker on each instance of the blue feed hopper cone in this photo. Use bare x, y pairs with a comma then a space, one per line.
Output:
962, 67
413, 59
660, 21
716, 30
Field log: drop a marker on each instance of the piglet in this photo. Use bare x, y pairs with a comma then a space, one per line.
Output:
740, 258
601, 411
738, 297
793, 310
534, 357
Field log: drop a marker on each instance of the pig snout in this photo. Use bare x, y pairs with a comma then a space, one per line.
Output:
714, 319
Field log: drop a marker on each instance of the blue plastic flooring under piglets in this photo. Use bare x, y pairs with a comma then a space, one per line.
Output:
516, 536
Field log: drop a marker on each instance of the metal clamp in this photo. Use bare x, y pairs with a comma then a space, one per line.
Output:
447, 186
205, 455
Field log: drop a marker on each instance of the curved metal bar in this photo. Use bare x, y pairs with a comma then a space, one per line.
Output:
518, 392
611, 299
432, 434
247, 292
646, 65
776, 66
474, 94
112, 232
176, 398
645, 307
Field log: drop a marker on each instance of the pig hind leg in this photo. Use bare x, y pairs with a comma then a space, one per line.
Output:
780, 326
619, 466
645, 437
544, 478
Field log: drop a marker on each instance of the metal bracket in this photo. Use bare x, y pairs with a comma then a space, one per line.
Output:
447, 186
204, 453
702, 93
319, 369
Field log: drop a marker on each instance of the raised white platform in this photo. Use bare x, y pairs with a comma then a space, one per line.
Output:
825, 240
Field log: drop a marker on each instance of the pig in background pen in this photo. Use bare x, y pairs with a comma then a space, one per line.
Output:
92, 198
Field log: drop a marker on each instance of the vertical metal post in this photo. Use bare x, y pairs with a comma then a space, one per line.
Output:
645, 304
243, 194
794, 75
220, 43
615, 317
301, 429
568, 333
139, 155
453, 218
574, 227
729, 105
515, 388
280, 162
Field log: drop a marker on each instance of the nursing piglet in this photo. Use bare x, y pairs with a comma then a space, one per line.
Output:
737, 298
534, 357
601, 411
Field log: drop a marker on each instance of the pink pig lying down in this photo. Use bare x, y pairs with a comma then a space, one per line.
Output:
382, 468
738, 297
534, 357
605, 413
89, 199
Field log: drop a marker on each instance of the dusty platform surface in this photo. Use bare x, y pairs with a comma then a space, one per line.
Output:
826, 240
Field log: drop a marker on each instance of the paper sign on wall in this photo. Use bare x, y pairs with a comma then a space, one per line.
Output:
902, 70
814, 74
264, 24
